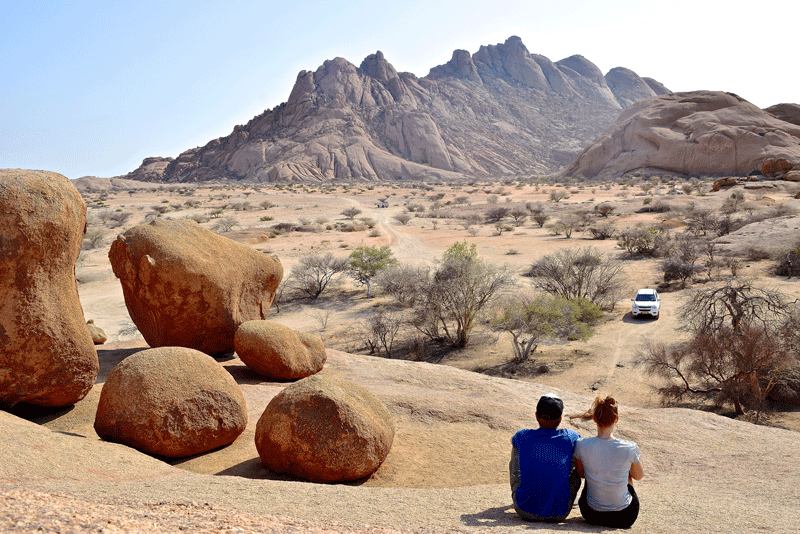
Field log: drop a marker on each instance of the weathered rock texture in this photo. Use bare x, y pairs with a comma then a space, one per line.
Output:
170, 401
276, 351
187, 286
703, 132
46, 353
501, 110
325, 429
785, 112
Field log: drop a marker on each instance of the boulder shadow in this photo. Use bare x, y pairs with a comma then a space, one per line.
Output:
254, 469
506, 516
110, 358
39, 414
244, 375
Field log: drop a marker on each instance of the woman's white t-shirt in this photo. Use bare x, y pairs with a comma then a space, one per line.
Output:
606, 465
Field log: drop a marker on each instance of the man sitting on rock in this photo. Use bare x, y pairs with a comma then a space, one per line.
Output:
544, 481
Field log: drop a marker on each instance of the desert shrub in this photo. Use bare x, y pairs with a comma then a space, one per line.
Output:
654, 207
450, 299
92, 239
381, 330
402, 281
496, 214
602, 231
351, 212
314, 273
225, 224
788, 263
741, 345
199, 218
578, 273
532, 320
756, 253
642, 241
604, 208
540, 219
365, 262
283, 227
402, 218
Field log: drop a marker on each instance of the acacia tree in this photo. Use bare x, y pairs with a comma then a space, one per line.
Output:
578, 273
532, 320
365, 262
314, 272
739, 349
458, 290
351, 212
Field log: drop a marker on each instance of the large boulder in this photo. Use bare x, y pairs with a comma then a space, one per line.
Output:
46, 353
170, 401
187, 286
325, 429
702, 132
276, 351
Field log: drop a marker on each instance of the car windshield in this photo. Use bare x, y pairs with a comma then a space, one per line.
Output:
646, 296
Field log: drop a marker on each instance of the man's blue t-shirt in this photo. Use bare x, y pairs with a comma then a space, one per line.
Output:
545, 460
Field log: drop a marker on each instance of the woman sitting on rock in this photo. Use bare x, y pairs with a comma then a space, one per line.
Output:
609, 466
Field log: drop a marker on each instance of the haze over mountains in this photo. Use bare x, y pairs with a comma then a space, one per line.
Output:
499, 111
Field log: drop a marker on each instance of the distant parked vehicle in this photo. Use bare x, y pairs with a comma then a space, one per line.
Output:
646, 302
383, 204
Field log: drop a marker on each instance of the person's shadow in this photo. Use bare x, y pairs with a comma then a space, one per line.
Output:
505, 516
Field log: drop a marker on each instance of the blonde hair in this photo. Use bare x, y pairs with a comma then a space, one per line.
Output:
604, 411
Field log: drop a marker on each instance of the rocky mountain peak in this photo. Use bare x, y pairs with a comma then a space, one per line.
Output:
499, 111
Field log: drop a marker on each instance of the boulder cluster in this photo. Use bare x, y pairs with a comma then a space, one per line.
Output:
186, 286
191, 293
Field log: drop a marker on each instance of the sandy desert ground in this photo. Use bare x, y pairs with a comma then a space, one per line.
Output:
447, 471
604, 362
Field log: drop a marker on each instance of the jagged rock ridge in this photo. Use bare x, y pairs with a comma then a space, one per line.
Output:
500, 111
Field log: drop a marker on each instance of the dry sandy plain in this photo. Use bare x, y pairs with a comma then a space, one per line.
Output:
447, 471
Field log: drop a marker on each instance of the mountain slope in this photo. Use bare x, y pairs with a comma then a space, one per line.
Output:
500, 111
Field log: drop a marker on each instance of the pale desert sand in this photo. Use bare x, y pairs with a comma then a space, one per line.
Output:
447, 471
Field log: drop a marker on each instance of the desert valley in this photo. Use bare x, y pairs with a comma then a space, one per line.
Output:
367, 157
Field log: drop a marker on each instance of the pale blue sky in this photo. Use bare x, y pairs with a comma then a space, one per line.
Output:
93, 87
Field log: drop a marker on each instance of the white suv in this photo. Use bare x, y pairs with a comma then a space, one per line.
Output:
646, 301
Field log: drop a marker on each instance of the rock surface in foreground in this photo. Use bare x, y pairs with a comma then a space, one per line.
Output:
325, 429
46, 353
171, 401
187, 286
276, 351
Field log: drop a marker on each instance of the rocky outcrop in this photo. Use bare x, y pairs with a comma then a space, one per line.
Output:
501, 110
189, 287
785, 112
703, 132
325, 429
276, 351
627, 86
170, 401
46, 353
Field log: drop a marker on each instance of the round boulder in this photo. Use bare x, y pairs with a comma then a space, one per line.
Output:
170, 401
186, 286
46, 353
324, 429
276, 351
